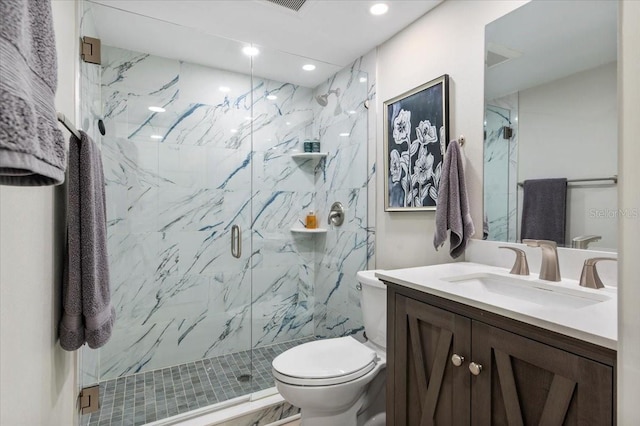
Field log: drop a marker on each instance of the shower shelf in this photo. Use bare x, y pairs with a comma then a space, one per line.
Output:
309, 155
309, 231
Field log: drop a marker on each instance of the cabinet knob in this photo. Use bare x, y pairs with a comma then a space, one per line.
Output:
457, 360
475, 368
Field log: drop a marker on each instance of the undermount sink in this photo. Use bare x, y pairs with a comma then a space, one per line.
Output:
529, 291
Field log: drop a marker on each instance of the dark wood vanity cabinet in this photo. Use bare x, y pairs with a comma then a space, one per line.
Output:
526, 375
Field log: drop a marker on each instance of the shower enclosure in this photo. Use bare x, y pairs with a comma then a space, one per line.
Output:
208, 280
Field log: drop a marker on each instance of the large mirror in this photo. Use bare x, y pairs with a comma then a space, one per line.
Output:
550, 113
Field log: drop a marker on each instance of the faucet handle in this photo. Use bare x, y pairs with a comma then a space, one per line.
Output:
589, 276
520, 266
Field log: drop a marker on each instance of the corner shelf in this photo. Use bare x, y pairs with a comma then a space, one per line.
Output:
309, 155
309, 231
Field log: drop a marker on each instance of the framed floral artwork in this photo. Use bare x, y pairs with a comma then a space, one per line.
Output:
416, 134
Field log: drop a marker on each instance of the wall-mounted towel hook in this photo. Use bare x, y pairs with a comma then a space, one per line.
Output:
461, 140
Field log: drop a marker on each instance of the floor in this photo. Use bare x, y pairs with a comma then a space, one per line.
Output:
145, 397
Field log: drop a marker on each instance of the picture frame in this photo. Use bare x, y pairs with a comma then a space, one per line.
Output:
416, 135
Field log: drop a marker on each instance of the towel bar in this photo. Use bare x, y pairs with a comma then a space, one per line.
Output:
66, 123
614, 179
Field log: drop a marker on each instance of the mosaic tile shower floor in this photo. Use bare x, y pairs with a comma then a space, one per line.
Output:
146, 397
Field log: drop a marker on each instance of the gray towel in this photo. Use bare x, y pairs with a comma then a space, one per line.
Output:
485, 227
452, 209
544, 206
88, 315
32, 149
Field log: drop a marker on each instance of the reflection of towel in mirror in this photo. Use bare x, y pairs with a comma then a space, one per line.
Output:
544, 205
87, 312
485, 227
452, 209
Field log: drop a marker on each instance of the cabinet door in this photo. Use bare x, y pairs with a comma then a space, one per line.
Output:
428, 389
525, 382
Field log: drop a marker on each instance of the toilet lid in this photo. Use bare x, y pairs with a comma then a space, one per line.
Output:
329, 361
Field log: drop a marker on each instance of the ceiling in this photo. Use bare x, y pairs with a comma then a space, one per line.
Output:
330, 34
576, 36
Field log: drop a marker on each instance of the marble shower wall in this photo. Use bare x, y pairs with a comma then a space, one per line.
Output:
501, 169
176, 183
342, 127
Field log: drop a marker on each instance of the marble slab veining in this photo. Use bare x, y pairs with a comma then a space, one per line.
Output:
179, 294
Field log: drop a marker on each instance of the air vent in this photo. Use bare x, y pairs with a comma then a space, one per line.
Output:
494, 59
294, 5
497, 54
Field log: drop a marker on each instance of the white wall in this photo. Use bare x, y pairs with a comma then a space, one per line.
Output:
37, 376
569, 127
629, 227
448, 40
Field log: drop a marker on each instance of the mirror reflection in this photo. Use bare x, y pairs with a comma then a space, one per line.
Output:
550, 113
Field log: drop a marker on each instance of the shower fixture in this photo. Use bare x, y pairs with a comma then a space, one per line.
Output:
323, 100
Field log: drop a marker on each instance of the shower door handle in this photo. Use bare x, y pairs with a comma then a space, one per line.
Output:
236, 241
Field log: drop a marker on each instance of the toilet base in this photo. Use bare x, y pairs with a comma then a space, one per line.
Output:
373, 405
377, 420
368, 410
346, 418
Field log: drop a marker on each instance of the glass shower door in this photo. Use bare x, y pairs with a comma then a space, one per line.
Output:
208, 281
177, 158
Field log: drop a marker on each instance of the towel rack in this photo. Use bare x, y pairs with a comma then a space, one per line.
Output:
66, 123
614, 179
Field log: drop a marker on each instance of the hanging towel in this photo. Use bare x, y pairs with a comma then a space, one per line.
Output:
485, 227
544, 206
87, 312
452, 208
32, 149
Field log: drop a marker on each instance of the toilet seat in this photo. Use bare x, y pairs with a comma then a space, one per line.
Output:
324, 362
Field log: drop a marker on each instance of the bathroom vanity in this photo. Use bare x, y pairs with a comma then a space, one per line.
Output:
472, 344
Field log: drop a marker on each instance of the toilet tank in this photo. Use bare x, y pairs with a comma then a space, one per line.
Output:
373, 302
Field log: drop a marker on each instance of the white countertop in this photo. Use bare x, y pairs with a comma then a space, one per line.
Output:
596, 323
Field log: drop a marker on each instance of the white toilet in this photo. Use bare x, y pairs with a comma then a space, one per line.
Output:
341, 382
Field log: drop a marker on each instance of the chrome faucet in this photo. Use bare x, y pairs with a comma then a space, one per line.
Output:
520, 266
550, 268
583, 241
589, 277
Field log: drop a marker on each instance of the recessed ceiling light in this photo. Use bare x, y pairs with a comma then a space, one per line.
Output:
308, 67
345, 134
363, 79
288, 123
352, 111
379, 9
224, 89
234, 130
250, 50
272, 97
156, 136
156, 109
